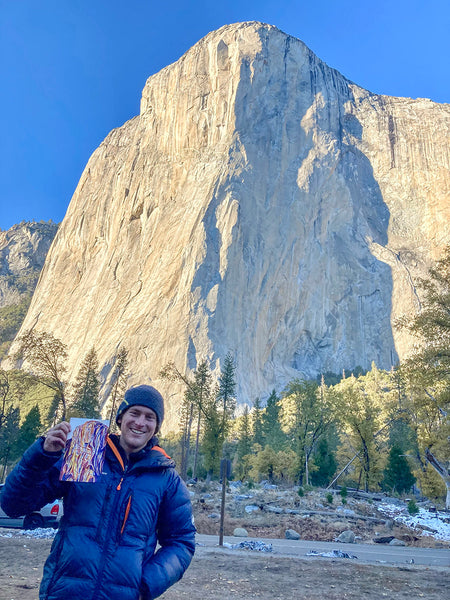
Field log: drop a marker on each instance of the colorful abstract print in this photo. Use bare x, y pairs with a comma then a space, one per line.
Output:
84, 456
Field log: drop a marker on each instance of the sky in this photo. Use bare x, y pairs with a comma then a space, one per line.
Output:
73, 70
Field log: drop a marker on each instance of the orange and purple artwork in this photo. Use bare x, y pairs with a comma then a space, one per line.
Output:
85, 451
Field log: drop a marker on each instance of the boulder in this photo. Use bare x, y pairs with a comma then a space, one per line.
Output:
291, 534
396, 542
346, 537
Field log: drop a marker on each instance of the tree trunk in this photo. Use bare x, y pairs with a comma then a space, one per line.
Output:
444, 472
306, 469
197, 441
187, 445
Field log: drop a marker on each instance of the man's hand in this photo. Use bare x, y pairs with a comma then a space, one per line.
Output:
56, 437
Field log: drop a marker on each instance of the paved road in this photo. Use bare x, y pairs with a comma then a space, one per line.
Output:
376, 553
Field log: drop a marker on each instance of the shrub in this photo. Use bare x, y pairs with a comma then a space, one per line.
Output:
329, 497
413, 509
301, 492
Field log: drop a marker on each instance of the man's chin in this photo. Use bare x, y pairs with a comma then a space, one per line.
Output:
135, 443
140, 443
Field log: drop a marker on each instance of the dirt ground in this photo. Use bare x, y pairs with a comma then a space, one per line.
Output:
243, 575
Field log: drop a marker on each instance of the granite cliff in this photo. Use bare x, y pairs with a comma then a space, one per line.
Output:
23, 249
260, 203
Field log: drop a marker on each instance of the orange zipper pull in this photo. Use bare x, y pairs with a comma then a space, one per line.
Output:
119, 487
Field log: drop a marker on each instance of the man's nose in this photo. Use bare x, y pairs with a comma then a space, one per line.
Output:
140, 420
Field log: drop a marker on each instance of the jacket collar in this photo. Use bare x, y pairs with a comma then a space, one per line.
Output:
150, 457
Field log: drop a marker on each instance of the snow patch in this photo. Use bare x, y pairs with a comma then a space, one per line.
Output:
39, 533
438, 522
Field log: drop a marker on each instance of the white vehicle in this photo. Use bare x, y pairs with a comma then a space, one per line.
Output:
48, 516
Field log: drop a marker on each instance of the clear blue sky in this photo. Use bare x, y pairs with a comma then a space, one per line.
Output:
72, 70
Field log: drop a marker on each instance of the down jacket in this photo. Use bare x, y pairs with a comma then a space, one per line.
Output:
106, 542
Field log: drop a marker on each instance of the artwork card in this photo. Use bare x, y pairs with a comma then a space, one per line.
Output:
84, 454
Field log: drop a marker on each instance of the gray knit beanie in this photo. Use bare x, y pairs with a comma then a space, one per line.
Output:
143, 395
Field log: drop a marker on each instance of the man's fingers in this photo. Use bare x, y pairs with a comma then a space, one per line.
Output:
56, 437
62, 427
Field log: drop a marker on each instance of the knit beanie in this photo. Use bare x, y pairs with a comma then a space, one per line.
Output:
143, 395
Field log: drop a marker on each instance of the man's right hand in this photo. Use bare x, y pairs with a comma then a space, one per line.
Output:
56, 437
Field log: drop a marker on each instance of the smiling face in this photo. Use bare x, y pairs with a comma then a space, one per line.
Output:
137, 427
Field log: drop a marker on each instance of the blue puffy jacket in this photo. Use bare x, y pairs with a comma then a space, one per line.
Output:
106, 542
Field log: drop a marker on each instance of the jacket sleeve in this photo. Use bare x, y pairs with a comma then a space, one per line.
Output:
176, 536
33, 482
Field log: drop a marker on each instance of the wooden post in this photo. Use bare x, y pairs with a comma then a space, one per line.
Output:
225, 471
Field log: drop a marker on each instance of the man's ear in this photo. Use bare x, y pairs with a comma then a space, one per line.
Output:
119, 421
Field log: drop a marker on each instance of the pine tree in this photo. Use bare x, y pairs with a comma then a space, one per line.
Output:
227, 390
186, 418
200, 397
397, 474
87, 389
271, 426
29, 431
258, 436
244, 444
212, 440
325, 462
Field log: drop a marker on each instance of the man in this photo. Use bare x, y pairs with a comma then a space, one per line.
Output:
106, 542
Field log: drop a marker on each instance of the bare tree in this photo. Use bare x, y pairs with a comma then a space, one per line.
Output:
45, 357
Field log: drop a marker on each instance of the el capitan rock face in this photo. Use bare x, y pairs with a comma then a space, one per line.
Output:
260, 203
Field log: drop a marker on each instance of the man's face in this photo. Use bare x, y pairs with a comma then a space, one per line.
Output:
137, 426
